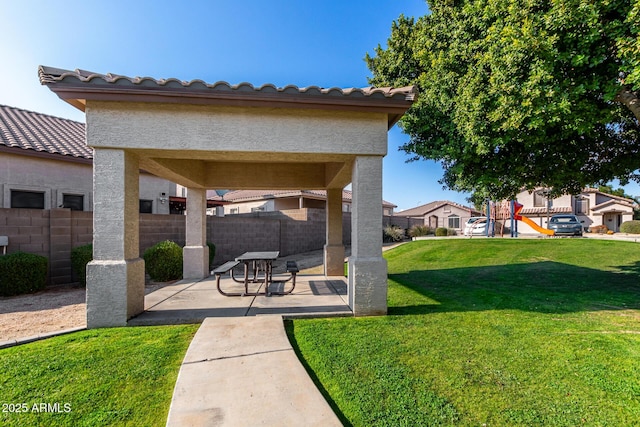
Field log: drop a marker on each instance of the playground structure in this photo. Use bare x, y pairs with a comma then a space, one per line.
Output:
498, 213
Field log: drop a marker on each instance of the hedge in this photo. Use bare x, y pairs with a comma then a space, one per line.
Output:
631, 227
22, 273
80, 257
163, 261
441, 231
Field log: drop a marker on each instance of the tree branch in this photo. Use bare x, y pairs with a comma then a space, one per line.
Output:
629, 98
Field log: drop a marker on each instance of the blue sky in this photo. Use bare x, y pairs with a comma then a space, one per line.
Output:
282, 42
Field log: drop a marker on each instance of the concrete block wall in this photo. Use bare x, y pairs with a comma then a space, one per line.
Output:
54, 233
157, 228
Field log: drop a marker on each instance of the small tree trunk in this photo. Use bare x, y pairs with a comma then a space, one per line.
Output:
629, 98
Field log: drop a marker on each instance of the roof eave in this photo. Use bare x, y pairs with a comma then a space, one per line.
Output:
79, 95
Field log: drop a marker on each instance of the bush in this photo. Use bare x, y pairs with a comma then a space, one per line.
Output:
451, 232
392, 233
601, 229
212, 253
420, 230
22, 273
163, 261
80, 257
442, 231
631, 227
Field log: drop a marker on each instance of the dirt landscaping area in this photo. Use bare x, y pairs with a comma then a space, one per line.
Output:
52, 310
47, 311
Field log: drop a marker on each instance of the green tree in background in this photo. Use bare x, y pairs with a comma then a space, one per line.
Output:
520, 94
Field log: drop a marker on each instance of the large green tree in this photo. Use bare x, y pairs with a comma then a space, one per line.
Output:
518, 94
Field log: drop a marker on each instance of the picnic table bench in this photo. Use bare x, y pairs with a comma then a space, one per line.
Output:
261, 262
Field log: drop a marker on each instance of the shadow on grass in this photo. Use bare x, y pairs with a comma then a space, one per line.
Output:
289, 328
546, 287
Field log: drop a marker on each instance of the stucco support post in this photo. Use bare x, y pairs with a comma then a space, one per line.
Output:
367, 268
115, 276
195, 262
334, 248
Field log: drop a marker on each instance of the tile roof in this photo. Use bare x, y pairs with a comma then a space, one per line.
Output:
42, 133
540, 211
77, 86
619, 198
422, 210
248, 195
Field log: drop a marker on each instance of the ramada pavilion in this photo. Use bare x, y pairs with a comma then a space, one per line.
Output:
207, 136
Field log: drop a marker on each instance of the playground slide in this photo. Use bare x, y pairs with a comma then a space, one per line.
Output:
535, 226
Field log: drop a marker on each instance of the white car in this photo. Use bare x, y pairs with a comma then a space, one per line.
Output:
475, 226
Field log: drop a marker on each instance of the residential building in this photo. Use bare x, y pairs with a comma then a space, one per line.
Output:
45, 163
592, 206
246, 201
441, 214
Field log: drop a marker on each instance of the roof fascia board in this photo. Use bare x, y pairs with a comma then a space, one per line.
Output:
44, 155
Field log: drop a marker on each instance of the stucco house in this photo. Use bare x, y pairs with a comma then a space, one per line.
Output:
441, 214
591, 206
245, 201
45, 163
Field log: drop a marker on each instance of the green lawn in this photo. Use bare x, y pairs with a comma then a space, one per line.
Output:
496, 332
101, 377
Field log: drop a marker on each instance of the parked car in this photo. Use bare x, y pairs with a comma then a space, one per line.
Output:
566, 224
475, 226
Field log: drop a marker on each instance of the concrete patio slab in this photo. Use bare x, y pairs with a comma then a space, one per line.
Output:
190, 301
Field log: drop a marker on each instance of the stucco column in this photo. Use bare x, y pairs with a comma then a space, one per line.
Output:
367, 268
195, 263
333, 248
115, 277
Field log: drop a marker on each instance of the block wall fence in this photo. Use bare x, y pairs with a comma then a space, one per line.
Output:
53, 233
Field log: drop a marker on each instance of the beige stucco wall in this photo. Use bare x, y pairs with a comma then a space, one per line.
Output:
56, 178
444, 212
205, 128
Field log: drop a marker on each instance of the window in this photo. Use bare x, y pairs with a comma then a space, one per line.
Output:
73, 201
582, 206
454, 221
539, 200
234, 211
27, 199
146, 206
258, 209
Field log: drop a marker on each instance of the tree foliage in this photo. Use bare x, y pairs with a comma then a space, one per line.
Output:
520, 94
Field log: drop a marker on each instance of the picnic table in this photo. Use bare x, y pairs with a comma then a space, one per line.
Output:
258, 268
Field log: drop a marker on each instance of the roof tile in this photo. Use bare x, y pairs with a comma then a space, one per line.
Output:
43, 133
50, 75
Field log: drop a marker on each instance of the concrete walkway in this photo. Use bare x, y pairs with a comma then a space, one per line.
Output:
244, 372
240, 369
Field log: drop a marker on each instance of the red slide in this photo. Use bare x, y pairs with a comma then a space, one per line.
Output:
528, 221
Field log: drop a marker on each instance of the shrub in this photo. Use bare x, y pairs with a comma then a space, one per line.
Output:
601, 229
441, 231
22, 273
420, 230
212, 253
392, 233
163, 261
80, 257
631, 227
451, 232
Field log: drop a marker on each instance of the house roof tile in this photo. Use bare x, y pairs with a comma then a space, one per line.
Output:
77, 86
422, 210
42, 133
249, 195
543, 210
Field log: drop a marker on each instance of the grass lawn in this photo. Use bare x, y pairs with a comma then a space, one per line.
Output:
496, 332
101, 377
